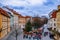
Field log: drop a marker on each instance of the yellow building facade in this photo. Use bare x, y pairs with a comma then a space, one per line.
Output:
55, 21
22, 21
4, 23
58, 20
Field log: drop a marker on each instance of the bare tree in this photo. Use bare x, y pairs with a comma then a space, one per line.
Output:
37, 22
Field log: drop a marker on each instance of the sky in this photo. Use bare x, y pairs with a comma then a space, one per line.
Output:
32, 7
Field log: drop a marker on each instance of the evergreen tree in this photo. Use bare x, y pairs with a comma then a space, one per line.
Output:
28, 26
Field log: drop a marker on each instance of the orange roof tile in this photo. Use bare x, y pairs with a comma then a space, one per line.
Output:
12, 10
4, 12
28, 17
21, 16
54, 14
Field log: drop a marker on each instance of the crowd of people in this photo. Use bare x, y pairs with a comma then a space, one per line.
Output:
37, 34
34, 35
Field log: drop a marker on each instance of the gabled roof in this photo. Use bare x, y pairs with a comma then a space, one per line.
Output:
4, 12
9, 12
14, 12
54, 14
20, 16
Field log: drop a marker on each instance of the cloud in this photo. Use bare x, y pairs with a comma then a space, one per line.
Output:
22, 2
31, 7
14, 2
35, 2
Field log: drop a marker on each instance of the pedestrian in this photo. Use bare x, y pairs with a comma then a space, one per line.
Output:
52, 36
24, 36
45, 33
34, 35
29, 36
39, 36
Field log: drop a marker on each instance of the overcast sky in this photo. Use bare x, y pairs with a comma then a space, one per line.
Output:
32, 7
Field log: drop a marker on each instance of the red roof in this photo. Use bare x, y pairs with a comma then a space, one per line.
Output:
54, 14
4, 12
24, 17
12, 10
27, 17
21, 16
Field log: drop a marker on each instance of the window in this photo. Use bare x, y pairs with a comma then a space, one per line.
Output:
54, 24
54, 19
54, 28
51, 24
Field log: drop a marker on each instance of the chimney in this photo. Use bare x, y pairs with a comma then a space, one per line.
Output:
58, 7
